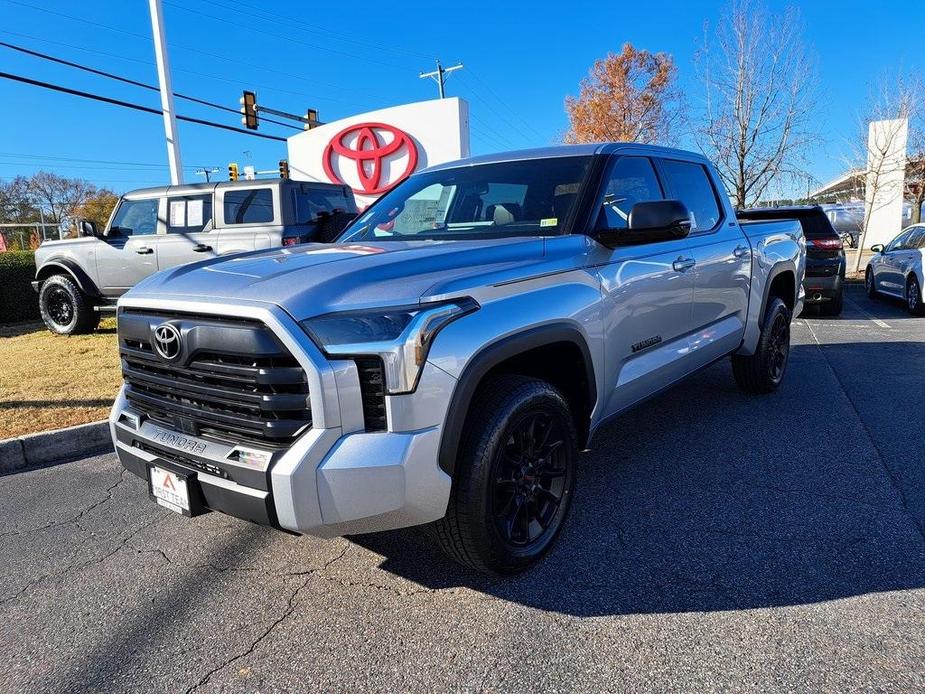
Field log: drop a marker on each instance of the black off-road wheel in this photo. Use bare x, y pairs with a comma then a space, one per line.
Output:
914, 296
763, 371
514, 479
65, 309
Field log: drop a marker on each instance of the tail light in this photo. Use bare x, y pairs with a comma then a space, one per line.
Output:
826, 244
290, 240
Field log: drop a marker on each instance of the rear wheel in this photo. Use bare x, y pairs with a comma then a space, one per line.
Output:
763, 371
833, 307
914, 296
514, 477
65, 309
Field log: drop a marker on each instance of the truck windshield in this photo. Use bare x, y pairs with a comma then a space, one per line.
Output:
517, 198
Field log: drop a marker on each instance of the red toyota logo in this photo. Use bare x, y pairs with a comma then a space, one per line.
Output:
370, 151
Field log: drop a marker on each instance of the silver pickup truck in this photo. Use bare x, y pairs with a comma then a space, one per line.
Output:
157, 228
449, 357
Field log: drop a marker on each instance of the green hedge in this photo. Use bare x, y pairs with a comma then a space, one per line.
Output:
17, 300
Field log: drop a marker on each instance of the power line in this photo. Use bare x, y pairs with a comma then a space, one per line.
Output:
284, 37
54, 157
439, 76
493, 93
288, 23
200, 52
127, 80
137, 107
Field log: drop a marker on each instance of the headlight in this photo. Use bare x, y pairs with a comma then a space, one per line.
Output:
400, 336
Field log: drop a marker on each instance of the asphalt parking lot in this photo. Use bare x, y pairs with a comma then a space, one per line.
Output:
717, 542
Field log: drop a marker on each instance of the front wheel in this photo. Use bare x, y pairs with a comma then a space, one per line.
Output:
914, 297
869, 284
514, 477
763, 371
65, 309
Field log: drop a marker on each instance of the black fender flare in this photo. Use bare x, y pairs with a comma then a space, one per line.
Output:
57, 266
489, 357
777, 270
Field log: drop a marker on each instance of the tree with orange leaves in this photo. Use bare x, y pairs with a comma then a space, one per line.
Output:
630, 97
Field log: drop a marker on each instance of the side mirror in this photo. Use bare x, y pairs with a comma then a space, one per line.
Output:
878, 248
650, 222
87, 228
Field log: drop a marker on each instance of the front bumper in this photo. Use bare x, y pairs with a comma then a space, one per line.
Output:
335, 478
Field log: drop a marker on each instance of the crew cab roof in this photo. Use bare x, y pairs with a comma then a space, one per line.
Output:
577, 150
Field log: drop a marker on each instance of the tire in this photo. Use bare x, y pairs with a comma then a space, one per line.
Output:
494, 493
65, 309
914, 296
834, 306
763, 371
869, 284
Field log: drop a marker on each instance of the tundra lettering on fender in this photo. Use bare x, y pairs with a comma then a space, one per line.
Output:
447, 359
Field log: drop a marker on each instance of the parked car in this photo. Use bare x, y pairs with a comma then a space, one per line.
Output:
448, 367
825, 254
847, 219
896, 269
157, 228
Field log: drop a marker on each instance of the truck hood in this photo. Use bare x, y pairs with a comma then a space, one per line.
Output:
314, 279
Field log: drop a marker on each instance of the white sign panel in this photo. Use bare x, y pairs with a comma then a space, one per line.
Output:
886, 175
372, 152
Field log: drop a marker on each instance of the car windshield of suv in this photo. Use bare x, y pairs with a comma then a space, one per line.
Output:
516, 198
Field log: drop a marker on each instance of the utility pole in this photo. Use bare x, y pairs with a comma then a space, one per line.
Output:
163, 78
439, 76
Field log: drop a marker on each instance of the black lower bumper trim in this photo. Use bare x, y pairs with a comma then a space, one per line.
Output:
254, 508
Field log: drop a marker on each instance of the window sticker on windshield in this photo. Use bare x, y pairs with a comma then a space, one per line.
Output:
178, 213
549, 222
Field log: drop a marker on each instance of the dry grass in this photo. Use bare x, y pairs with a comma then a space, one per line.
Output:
49, 381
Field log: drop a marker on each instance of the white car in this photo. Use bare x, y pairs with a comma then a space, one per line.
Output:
896, 269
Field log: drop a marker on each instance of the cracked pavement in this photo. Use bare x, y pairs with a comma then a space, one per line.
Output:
716, 542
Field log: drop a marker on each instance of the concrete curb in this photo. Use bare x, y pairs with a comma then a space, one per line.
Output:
33, 450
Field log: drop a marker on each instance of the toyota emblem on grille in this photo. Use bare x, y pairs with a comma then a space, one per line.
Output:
167, 341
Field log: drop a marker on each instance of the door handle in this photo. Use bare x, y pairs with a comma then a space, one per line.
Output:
741, 251
144, 250
202, 248
683, 264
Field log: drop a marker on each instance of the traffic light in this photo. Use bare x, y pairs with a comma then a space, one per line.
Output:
283, 168
249, 110
233, 171
312, 116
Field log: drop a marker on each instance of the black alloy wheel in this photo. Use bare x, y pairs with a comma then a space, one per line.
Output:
779, 347
531, 479
60, 307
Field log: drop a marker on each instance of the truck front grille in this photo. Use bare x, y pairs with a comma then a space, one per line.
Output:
233, 379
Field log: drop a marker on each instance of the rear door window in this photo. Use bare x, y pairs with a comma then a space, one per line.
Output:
248, 206
189, 214
690, 183
310, 202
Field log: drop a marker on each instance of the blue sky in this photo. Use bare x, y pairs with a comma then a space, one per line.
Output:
521, 60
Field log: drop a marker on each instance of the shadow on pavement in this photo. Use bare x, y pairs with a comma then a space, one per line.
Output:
708, 499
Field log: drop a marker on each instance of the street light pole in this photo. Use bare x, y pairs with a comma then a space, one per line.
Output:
163, 78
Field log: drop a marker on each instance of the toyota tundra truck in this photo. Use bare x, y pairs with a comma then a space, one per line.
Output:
447, 359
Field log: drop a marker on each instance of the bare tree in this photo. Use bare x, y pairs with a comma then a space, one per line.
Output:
758, 79
915, 166
58, 196
891, 106
627, 97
